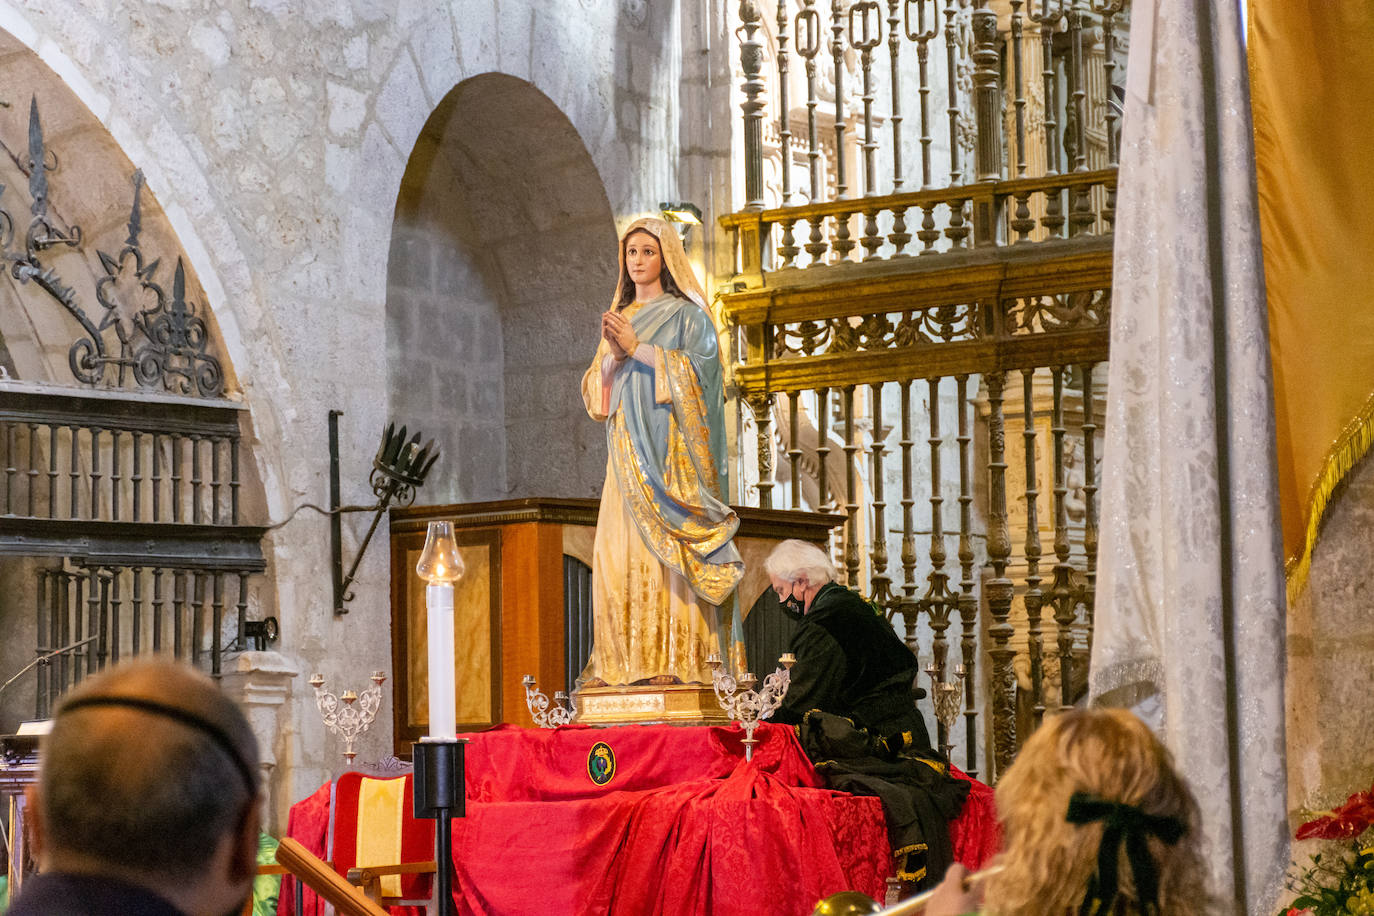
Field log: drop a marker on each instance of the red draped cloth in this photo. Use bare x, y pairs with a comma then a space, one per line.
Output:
683, 826
976, 834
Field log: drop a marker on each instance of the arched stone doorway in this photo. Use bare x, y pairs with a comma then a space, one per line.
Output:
502, 257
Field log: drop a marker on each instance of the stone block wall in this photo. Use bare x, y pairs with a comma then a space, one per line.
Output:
1330, 687
444, 346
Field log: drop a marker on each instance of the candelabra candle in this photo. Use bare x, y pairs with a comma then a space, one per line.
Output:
745, 705
350, 714
948, 698
562, 713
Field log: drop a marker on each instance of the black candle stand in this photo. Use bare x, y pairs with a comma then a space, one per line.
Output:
439, 797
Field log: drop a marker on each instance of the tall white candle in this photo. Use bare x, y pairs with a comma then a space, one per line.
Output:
442, 677
440, 566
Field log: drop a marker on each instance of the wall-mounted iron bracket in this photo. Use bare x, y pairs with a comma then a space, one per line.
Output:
397, 472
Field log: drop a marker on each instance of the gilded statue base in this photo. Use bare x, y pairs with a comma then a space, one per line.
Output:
676, 704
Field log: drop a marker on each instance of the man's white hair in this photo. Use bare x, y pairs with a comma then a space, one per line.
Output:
798, 561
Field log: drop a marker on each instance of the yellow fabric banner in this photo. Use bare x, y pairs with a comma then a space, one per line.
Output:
1311, 72
381, 813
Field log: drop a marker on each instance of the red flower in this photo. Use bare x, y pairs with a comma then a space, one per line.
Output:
1349, 820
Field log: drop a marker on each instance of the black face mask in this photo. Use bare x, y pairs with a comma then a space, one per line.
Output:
793, 607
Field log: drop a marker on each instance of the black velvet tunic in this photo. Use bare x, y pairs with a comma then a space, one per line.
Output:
850, 663
852, 668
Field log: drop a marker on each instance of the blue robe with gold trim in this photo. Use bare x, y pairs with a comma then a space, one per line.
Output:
664, 557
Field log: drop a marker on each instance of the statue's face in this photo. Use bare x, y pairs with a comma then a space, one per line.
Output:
643, 258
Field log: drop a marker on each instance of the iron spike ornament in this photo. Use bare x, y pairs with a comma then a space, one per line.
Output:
42, 233
137, 336
38, 167
118, 292
398, 470
175, 352
25, 265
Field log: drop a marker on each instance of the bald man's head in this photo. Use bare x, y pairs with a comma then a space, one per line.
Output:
147, 768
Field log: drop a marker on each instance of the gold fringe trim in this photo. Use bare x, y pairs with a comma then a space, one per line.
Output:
936, 765
899, 857
1351, 445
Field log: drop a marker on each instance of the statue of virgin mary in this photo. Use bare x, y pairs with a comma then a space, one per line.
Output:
664, 565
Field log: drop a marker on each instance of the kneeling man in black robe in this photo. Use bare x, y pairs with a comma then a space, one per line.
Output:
852, 698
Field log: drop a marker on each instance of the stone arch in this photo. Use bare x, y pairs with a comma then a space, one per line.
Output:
91, 184
502, 257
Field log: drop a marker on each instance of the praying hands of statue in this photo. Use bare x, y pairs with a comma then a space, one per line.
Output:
615, 328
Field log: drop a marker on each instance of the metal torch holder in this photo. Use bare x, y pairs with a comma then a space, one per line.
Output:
439, 797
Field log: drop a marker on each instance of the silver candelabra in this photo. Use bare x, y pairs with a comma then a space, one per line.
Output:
562, 711
745, 705
948, 697
351, 714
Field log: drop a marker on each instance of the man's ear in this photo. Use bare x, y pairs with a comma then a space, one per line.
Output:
33, 823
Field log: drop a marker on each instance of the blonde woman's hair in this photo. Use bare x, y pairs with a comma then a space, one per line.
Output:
1110, 754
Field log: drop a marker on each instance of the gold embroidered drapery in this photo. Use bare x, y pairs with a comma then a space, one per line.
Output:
1310, 64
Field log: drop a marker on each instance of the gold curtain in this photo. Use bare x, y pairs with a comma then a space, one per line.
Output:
1312, 80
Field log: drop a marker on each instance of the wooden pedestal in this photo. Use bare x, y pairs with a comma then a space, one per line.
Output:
679, 704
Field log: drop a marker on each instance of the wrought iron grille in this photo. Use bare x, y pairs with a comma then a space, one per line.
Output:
1029, 128
577, 620
138, 498
103, 458
910, 349
133, 610
135, 334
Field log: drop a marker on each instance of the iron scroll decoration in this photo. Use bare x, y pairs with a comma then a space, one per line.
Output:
156, 343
